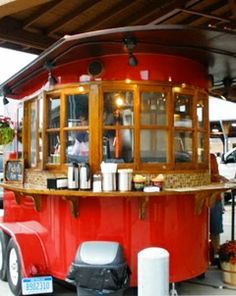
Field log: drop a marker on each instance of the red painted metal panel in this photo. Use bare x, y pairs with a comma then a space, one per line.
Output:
170, 222
28, 237
159, 68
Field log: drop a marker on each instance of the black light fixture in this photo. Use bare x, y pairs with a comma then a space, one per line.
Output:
51, 79
5, 100
4, 91
130, 43
227, 82
210, 81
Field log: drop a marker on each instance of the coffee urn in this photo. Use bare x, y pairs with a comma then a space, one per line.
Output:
84, 176
73, 176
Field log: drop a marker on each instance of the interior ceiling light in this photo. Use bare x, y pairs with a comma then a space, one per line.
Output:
130, 43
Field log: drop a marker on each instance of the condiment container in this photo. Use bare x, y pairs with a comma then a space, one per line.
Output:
108, 176
97, 183
139, 182
158, 181
125, 179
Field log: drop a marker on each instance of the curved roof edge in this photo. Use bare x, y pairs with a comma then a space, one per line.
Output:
214, 48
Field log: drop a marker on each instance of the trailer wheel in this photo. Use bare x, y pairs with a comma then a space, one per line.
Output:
4, 239
14, 268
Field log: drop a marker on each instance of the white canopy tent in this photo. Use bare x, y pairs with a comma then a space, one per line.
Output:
221, 110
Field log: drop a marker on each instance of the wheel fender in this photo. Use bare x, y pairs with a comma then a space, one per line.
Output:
4, 238
30, 247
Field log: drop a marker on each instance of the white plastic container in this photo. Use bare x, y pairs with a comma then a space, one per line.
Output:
108, 176
97, 183
125, 179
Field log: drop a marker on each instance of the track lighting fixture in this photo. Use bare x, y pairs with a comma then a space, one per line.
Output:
51, 79
5, 100
227, 82
4, 91
130, 44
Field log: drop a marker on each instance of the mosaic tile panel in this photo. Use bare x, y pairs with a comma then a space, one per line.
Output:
39, 178
186, 180
172, 180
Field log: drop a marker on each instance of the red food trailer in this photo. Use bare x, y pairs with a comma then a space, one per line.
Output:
134, 99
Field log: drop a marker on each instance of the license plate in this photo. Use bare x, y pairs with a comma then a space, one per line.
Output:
37, 285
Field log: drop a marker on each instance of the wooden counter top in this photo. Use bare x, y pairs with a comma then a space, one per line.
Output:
27, 189
205, 194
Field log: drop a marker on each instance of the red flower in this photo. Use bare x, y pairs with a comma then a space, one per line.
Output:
227, 252
5, 121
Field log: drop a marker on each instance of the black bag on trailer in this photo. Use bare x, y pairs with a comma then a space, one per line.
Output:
100, 266
100, 278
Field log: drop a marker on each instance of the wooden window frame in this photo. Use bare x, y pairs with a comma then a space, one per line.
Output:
162, 165
117, 87
200, 94
95, 91
26, 133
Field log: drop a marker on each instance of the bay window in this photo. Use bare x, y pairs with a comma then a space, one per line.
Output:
147, 127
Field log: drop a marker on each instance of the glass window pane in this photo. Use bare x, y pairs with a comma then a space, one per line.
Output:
77, 110
54, 148
40, 141
118, 145
77, 146
183, 110
33, 128
40, 106
200, 112
20, 115
153, 108
153, 146
200, 150
118, 108
54, 113
183, 146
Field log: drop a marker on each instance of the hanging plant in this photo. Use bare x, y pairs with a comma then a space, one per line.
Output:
7, 132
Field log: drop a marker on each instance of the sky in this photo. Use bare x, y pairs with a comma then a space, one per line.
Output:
11, 61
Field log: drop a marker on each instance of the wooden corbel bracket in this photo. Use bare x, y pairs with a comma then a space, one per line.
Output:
18, 196
143, 207
74, 205
35, 197
205, 197
37, 201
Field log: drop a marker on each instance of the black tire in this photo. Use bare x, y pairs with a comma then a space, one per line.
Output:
14, 268
4, 239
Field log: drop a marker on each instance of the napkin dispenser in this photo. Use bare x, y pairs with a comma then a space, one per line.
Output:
57, 183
